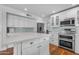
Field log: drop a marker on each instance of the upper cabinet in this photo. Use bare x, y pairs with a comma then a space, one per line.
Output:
70, 13
66, 15
19, 21
54, 21
77, 17
57, 21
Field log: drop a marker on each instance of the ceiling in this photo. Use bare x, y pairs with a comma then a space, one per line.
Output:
40, 9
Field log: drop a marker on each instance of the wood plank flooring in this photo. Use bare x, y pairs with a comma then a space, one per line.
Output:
8, 51
53, 49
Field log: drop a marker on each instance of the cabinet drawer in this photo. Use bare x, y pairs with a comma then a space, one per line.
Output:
44, 39
30, 43
33, 50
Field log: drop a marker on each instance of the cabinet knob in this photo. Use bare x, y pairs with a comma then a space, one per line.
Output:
31, 42
44, 39
39, 46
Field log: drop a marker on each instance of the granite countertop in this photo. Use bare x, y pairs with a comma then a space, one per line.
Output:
19, 37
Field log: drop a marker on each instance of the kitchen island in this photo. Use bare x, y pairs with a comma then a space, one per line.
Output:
29, 43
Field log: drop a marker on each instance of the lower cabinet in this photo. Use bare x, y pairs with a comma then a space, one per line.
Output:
33, 50
54, 39
44, 48
77, 43
41, 48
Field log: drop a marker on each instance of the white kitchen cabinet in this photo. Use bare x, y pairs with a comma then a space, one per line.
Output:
36, 47
77, 43
54, 39
44, 48
33, 50
54, 36
16, 22
77, 16
62, 16
30, 47
11, 20
24, 23
30, 23
19, 21
71, 13
54, 21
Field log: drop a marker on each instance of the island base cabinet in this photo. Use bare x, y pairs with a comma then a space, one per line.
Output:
44, 48
33, 50
17, 49
41, 48
38, 49
33, 47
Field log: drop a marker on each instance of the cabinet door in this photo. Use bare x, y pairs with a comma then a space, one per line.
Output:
51, 21
16, 22
77, 43
10, 23
51, 39
22, 21
77, 17
55, 39
33, 50
10, 20
57, 21
44, 48
71, 13
25, 23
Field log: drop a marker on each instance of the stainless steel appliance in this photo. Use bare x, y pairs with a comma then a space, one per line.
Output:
40, 27
68, 22
67, 39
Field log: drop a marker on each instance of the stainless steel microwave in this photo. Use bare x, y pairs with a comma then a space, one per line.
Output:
68, 22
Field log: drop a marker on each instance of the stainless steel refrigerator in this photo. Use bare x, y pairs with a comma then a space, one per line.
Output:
40, 27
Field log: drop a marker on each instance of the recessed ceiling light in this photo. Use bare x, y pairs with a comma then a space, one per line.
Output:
43, 15
25, 9
53, 11
74, 4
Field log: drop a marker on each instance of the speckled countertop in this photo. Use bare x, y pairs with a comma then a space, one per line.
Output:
19, 37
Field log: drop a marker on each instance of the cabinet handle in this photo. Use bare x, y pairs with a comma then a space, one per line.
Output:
31, 42
44, 39
39, 46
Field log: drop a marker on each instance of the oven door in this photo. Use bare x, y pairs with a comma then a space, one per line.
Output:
66, 44
66, 37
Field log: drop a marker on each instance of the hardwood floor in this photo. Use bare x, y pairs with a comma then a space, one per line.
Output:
55, 50
8, 51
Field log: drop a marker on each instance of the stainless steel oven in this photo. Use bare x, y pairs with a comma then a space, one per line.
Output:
66, 44
67, 41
